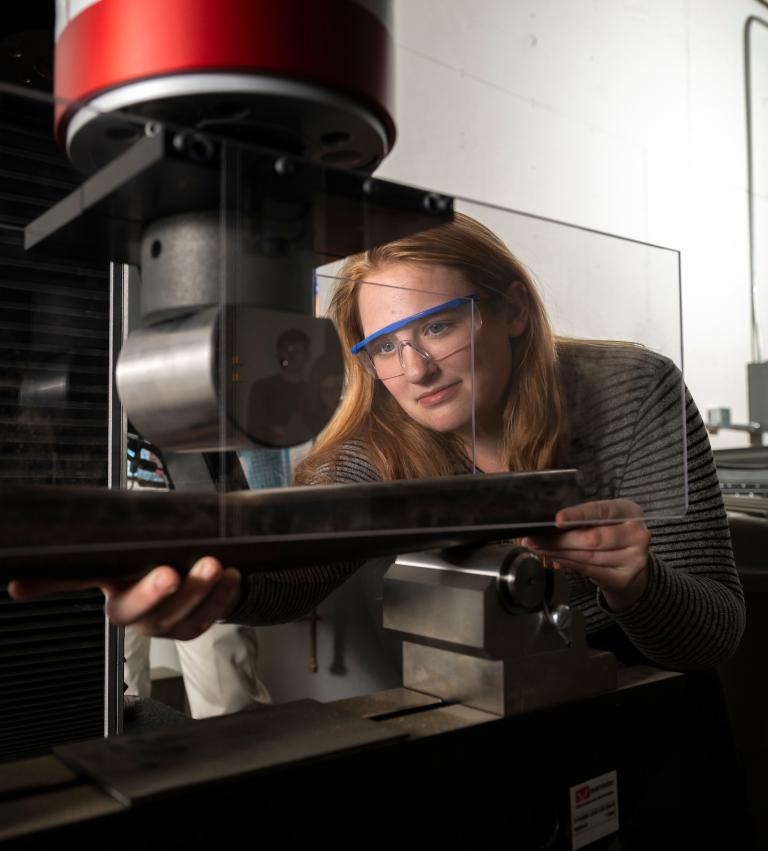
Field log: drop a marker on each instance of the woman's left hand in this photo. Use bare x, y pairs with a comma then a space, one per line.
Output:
614, 556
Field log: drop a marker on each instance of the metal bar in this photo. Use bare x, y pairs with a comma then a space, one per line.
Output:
92, 532
117, 454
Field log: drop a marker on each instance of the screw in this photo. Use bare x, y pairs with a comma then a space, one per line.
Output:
197, 147
561, 616
284, 166
434, 203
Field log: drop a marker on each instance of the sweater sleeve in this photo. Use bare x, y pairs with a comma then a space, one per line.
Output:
692, 613
281, 596
276, 597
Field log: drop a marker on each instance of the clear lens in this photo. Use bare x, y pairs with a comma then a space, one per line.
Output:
431, 338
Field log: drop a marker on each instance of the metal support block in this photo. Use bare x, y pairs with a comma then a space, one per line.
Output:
488, 627
508, 686
456, 598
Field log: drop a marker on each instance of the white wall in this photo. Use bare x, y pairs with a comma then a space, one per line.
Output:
622, 115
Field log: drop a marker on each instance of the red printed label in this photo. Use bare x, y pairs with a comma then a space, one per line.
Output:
582, 794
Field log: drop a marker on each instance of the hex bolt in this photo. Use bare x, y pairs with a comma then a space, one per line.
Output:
561, 616
197, 147
435, 203
284, 167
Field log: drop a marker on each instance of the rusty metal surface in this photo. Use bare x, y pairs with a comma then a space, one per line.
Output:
58, 532
389, 702
142, 766
34, 775
512, 685
443, 719
53, 808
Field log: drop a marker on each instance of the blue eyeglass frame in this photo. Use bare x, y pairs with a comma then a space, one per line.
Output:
454, 302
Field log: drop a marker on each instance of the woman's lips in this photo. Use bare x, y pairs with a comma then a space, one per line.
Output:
442, 394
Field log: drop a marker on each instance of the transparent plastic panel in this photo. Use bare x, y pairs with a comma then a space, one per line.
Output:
613, 307
594, 285
290, 400
757, 82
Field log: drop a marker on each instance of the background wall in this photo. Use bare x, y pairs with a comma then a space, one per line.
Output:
626, 116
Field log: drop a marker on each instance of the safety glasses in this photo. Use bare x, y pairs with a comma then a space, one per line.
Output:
433, 334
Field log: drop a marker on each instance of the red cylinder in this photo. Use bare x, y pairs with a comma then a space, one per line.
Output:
339, 49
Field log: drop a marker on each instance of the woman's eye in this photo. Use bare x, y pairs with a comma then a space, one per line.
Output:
437, 328
386, 347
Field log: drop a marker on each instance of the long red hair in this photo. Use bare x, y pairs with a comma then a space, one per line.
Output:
400, 448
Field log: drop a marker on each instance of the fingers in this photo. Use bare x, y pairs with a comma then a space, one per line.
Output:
608, 579
633, 557
594, 563
164, 605
609, 555
598, 511
620, 536
221, 600
613, 555
126, 606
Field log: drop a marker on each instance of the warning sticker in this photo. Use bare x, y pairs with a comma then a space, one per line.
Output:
594, 810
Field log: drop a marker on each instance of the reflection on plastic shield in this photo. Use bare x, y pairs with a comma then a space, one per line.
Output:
276, 376
576, 352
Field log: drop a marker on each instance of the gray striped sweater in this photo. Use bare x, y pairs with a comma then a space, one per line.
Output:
632, 427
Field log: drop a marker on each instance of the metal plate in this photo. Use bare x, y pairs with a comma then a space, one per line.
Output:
386, 703
143, 766
60, 532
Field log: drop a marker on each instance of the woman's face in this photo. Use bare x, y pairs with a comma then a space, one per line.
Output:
438, 393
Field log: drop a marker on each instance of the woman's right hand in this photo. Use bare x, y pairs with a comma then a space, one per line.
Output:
163, 603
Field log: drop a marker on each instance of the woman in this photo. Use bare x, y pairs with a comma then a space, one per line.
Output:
611, 410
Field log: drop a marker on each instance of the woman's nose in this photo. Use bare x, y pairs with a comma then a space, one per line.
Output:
417, 365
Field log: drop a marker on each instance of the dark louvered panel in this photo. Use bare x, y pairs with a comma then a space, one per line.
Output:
54, 362
51, 672
53, 369
33, 172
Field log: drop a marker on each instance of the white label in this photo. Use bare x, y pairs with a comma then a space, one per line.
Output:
594, 809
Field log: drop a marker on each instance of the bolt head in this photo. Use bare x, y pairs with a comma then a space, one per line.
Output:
284, 166
562, 616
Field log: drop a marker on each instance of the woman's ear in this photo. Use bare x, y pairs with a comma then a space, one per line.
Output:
516, 309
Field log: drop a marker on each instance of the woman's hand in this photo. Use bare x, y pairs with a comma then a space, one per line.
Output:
162, 603
613, 556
